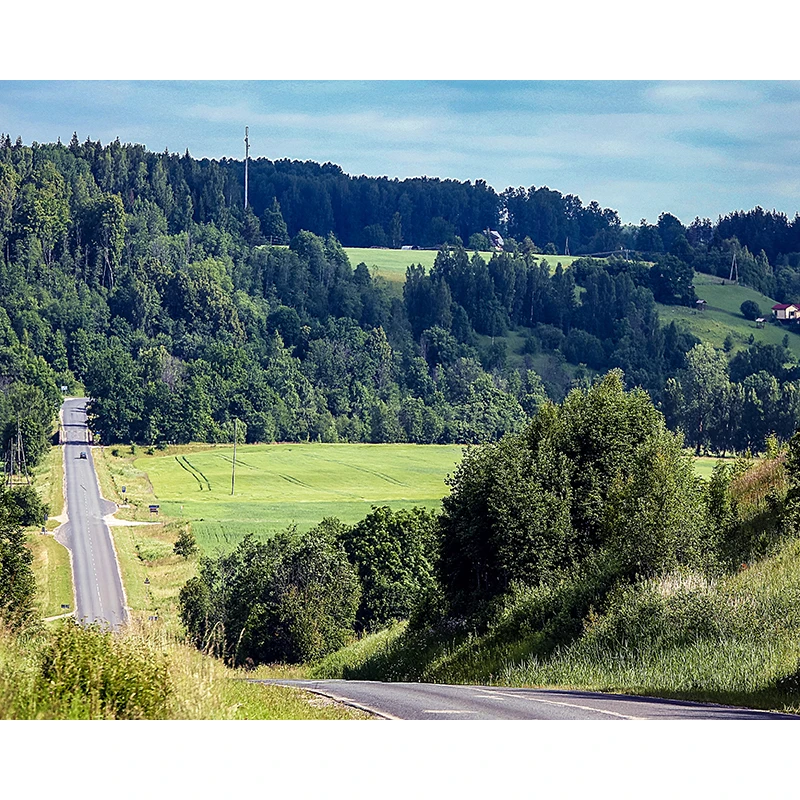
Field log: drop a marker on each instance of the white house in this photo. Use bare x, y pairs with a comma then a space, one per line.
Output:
786, 312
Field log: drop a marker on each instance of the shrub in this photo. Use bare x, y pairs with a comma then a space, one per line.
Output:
291, 599
86, 673
750, 310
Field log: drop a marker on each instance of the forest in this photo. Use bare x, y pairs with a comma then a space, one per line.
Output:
140, 279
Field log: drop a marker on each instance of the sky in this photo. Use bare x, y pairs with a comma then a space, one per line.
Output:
693, 148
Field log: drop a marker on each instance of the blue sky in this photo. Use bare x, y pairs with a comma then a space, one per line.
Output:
694, 148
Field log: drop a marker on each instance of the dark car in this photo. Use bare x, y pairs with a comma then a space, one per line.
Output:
83, 454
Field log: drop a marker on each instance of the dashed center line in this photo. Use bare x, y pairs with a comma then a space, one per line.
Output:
528, 697
446, 711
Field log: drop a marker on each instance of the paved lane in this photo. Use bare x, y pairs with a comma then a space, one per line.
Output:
439, 701
98, 588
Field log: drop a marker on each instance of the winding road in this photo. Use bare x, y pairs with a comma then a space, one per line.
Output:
415, 701
99, 596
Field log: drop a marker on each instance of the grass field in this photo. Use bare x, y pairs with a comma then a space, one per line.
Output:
722, 315
392, 264
276, 485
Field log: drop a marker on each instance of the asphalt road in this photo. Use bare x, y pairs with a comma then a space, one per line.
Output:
437, 701
98, 587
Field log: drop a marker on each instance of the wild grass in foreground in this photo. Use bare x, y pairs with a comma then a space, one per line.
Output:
81, 673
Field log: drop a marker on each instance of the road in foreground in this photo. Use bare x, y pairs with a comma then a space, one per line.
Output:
439, 701
95, 572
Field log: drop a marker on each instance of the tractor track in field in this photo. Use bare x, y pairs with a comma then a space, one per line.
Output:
381, 475
193, 471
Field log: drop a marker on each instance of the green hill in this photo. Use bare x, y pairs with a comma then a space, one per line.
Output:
722, 315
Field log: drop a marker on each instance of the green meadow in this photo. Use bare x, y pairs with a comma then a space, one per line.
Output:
392, 264
283, 484
722, 315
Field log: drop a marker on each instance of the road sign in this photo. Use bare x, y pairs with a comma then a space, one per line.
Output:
123, 489
154, 509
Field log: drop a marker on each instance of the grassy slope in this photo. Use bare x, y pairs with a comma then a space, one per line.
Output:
722, 315
735, 641
199, 687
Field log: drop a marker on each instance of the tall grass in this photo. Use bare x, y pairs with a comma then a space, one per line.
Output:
72, 672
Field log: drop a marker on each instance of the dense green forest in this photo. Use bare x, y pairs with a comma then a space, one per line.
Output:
139, 278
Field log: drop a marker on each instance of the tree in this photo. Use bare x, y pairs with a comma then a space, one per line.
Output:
273, 225
704, 383
394, 553
598, 475
186, 544
750, 310
671, 281
293, 598
17, 583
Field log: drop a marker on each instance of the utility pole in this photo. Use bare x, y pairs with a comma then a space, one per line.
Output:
734, 276
233, 467
246, 160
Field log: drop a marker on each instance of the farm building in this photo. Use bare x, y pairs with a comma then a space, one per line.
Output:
786, 312
495, 239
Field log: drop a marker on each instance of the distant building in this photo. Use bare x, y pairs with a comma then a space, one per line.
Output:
701, 304
760, 322
495, 239
786, 312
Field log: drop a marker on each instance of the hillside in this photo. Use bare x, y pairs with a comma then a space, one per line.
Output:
722, 315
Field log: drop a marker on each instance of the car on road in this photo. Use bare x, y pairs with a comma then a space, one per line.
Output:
83, 454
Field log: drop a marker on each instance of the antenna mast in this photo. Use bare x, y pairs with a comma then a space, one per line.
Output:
246, 160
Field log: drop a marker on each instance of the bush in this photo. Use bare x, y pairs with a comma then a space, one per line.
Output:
86, 673
291, 599
750, 310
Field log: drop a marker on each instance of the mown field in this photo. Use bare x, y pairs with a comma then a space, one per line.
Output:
392, 264
282, 484
722, 315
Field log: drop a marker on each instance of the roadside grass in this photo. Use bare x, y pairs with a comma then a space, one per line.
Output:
53, 575
51, 564
733, 640
722, 315
68, 672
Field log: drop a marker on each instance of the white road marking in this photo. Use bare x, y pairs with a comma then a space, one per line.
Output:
557, 703
445, 711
